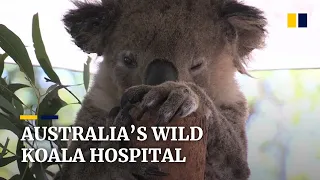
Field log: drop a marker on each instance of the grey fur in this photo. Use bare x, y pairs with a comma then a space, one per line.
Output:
207, 41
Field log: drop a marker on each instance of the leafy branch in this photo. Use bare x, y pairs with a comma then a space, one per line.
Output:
48, 103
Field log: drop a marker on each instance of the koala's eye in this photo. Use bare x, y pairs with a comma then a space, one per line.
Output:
130, 61
196, 67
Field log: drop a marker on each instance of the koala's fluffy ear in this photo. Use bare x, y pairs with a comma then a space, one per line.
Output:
89, 24
245, 28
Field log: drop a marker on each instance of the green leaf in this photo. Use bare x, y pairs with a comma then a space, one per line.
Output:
4, 148
50, 105
5, 123
16, 86
2, 58
5, 104
3, 81
18, 106
8, 90
15, 177
15, 48
23, 167
86, 73
40, 50
39, 171
8, 160
51, 88
3, 88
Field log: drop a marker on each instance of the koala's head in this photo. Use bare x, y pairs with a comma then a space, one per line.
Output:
153, 41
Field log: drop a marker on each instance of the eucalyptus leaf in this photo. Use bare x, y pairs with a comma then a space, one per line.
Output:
51, 174
15, 177
4, 148
23, 167
50, 105
18, 106
51, 88
8, 90
3, 88
16, 86
5, 123
5, 104
8, 160
40, 50
3, 82
86, 73
39, 170
15, 48
2, 58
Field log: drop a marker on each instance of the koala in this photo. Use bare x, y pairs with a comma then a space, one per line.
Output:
178, 55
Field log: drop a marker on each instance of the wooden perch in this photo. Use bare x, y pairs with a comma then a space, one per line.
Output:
194, 151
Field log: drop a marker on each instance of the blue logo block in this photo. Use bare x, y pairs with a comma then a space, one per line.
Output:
302, 20
52, 117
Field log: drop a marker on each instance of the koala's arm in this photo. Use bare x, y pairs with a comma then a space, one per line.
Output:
88, 116
227, 143
91, 116
227, 147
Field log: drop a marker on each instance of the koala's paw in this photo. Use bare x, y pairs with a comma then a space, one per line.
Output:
117, 117
120, 117
173, 100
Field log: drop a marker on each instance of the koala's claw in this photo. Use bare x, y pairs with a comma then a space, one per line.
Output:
114, 112
173, 100
123, 118
134, 95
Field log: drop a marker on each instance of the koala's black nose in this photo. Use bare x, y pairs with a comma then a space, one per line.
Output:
160, 71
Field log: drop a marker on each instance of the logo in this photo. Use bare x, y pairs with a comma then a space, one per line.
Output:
297, 20
35, 117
